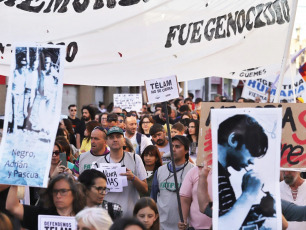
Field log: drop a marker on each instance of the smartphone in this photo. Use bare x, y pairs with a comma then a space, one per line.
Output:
63, 158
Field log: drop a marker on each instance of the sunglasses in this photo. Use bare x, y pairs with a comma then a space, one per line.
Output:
100, 128
120, 121
73, 110
56, 153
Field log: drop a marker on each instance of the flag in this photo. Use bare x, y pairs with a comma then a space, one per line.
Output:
302, 71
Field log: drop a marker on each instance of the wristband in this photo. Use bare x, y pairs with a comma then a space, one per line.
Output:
133, 178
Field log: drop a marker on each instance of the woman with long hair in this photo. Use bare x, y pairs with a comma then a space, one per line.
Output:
145, 124
152, 160
145, 210
86, 143
63, 197
192, 135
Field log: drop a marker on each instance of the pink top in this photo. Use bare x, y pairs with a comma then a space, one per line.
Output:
189, 188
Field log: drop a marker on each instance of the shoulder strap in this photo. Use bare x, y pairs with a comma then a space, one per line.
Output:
110, 210
138, 139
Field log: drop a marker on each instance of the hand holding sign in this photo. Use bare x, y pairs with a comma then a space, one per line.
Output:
129, 175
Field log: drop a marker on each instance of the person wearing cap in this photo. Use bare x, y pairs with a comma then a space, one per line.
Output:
299, 100
98, 149
135, 172
163, 186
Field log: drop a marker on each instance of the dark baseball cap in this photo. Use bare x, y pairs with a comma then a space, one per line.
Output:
114, 129
184, 140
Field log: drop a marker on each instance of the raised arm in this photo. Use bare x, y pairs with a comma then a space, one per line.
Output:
203, 195
13, 205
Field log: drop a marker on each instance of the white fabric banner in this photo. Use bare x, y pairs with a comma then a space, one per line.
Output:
124, 42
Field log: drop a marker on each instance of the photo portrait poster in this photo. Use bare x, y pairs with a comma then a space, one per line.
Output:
246, 167
32, 113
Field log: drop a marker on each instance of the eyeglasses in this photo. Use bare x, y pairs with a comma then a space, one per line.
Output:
56, 153
101, 189
111, 119
73, 110
146, 122
62, 192
120, 121
104, 119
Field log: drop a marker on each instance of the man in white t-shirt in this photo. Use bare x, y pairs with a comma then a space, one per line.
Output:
138, 140
293, 189
158, 135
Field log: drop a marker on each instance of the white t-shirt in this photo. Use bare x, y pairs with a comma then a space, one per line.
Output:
166, 157
145, 141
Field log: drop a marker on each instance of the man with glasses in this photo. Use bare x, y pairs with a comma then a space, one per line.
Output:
135, 172
138, 140
95, 155
163, 186
76, 124
94, 182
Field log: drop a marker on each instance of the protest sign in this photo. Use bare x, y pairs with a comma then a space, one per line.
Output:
129, 102
47, 222
245, 143
192, 39
115, 182
293, 151
32, 112
161, 89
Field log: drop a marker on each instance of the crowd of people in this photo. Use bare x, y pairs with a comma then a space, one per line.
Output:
138, 141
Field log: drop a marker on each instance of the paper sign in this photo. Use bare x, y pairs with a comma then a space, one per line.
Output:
293, 151
129, 102
245, 164
162, 89
115, 182
32, 113
46, 222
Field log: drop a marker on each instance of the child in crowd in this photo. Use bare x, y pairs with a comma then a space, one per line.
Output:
146, 212
177, 129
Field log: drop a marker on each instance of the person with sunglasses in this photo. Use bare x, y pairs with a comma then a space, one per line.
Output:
77, 124
56, 167
63, 197
163, 186
94, 182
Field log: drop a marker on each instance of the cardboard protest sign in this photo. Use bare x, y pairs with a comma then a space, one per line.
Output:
293, 151
162, 89
245, 143
129, 102
192, 39
112, 171
47, 222
32, 112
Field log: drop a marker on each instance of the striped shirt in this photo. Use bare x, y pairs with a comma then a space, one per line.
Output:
226, 193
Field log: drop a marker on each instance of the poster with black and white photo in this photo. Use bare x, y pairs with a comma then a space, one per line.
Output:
246, 168
32, 113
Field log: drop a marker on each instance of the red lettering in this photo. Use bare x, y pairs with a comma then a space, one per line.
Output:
303, 122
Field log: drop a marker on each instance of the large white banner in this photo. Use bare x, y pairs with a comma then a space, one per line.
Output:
32, 113
124, 42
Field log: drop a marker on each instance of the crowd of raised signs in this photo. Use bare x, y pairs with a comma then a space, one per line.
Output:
138, 141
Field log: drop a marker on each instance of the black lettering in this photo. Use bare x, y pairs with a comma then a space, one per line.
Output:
269, 8
1, 48
10, 2
258, 22
196, 37
288, 117
171, 35
241, 21
72, 47
220, 31
286, 10
98, 4
26, 6
80, 7
128, 2
293, 152
111, 4
212, 30
249, 25
181, 39
279, 16
231, 23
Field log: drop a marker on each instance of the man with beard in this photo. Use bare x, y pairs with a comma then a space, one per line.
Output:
138, 140
88, 114
158, 135
293, 189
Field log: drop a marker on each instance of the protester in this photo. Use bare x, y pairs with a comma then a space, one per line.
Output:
77, 124
163, 187
66, 148
127, 224
88, 113
121, 123
67, 124
94, 182
177, 129
103, 120
93, 219
139, 141
192, 135
112, 120
86, 143
146, 212
145, 124
158, 134
56, 167
98, 149
63, 197
135, 172
152, 161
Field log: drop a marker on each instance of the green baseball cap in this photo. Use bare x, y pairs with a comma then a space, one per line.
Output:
114, 129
